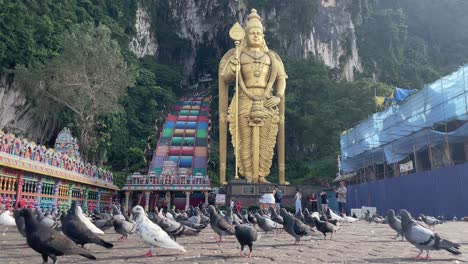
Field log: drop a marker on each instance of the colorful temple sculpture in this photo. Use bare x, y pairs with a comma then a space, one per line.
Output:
35, 176
177, 174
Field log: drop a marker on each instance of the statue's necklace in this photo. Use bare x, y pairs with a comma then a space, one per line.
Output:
257, 64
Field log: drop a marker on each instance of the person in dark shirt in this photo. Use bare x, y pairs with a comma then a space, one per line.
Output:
277, 193
324, 200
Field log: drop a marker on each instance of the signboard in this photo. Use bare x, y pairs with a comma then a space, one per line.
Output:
220, 198
408, 166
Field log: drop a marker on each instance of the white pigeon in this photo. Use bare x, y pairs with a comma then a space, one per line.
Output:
335, 216
6, 219
87, 222
170, 216
316, 215
151, 233
349, 219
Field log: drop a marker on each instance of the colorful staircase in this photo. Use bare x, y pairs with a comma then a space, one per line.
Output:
183, 143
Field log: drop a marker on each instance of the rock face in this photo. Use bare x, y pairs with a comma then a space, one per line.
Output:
144, 43
325, 29
17, 115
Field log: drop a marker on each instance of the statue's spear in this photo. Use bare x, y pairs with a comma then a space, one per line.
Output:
237, 34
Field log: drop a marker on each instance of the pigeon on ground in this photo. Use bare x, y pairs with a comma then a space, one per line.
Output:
85, 220
151, 233
116, 213
299, 215
103, 224
20, 224
77, 231
245, 217
294, 226
124, 228
430, 221
275, 217
219, 224
325, 227
267, 225
49, 242
174, 229
349, 219
246, 235
6, 219
309, 218
46, 221
423, 238
395, 223
335, 216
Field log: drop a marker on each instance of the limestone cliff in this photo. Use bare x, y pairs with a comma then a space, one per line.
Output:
323, 28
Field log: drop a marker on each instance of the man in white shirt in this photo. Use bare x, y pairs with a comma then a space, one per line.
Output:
341, 191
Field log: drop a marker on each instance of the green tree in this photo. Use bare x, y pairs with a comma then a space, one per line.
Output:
87, 77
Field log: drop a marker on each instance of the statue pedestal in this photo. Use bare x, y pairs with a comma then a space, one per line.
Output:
249, 193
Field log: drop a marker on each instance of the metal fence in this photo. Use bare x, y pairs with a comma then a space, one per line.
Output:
439, 192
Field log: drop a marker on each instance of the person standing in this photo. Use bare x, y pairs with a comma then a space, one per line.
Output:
341, 191
298, 200
324, 201
238, 207
278, 196
231, 205
313, 202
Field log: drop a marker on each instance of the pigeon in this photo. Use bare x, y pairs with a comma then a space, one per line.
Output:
245, 217
267, 225
6, 219
300, 216
349, 219
104, 224
395, 223
151, 233
85, 220
116, 213
430, 221
275, 217
219, 224
46, 221
423, 238
294, 226
124, 228
77, 231
325, 227
308, 218
335, 216
20, 224
49, 242
174, 229
246, 235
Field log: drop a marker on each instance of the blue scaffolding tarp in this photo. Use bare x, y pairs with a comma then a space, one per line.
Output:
392, 134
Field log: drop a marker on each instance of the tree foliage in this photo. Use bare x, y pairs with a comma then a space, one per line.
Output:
87, 77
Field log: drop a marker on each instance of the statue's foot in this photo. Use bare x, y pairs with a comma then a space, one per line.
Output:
262, 180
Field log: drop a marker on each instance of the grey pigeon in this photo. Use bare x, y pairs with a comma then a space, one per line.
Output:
266, 224
325, 227
423, 238
49, 242
308, 219
219, 224
275, 217
173, 228
246, 235
395, 223
300, 216
116, 214
124, 228
77, 231
430, 221
294, 226
46, 221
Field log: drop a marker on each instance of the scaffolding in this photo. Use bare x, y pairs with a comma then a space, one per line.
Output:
426, 131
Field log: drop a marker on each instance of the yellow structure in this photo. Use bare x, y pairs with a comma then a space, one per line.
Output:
256, 112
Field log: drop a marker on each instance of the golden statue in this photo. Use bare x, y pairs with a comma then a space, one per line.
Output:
259, 96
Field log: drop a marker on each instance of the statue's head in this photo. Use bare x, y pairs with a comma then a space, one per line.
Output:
254, 30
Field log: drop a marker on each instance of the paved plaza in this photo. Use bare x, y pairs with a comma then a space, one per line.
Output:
354, 243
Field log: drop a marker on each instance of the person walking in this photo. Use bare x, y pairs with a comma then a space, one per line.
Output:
278, 194
231, 205
298, 200
341, 192
324, 201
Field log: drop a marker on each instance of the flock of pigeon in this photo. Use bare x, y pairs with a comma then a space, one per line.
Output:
50, 237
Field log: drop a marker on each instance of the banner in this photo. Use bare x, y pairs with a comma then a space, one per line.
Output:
408, 166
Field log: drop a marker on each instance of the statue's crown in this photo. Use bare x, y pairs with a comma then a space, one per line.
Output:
254, 21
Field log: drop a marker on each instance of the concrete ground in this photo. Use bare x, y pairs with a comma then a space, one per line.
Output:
354, 243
